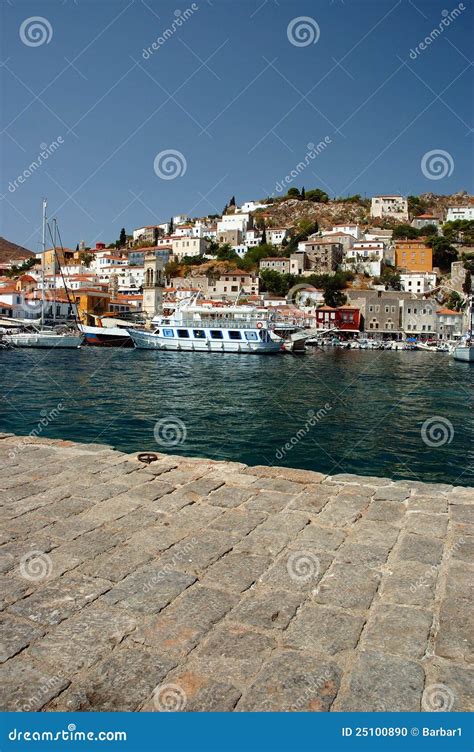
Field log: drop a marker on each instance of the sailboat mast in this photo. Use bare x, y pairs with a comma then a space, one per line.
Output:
55, 224
45, 204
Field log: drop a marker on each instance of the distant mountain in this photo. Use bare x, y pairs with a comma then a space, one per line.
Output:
12, 252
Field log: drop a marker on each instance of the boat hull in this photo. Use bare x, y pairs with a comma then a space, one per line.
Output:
41, 339
150, 341
464, 353
106, 336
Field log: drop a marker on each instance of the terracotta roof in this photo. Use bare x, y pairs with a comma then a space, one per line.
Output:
448, 311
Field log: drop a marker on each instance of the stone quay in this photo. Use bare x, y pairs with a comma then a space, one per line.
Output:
196, 585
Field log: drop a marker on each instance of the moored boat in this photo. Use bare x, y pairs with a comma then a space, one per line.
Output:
202, 328
107, 332
464, 350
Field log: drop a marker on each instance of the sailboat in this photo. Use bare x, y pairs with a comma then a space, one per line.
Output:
464, 351
40, 336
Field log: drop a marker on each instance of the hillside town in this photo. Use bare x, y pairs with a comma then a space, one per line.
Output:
390, 267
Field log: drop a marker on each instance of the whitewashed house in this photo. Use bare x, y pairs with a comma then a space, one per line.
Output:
389, 206
418, 282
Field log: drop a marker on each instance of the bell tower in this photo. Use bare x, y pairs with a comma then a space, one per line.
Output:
153, 285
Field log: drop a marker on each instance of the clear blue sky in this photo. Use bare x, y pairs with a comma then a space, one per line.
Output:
232, 94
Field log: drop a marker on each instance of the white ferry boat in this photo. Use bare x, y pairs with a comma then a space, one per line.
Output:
206, 328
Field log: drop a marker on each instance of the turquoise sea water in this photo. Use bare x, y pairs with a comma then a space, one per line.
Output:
396, 414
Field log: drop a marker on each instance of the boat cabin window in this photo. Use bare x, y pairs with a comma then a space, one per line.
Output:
183, 333
235, 335
251, 336
199, 333
216, 334
168, 333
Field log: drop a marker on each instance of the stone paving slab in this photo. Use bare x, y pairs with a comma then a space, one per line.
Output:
190, 584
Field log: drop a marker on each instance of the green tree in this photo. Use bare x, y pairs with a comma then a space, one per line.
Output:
443, 253
405, 232
86, 258
171, 227
303, 194
317, 195
123, 238
225, 252
454, 302
263, 239
293, 193
428, 230
467, 284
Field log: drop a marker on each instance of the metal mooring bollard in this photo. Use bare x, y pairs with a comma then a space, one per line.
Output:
147, 457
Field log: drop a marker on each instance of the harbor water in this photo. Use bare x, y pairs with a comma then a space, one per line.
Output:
394, 414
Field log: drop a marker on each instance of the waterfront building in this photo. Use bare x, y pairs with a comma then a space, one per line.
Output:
343, 319
413, 256
90, 303
419, 318
389, 206
380, 311
417, 282
276, 263
233, 284
449, 324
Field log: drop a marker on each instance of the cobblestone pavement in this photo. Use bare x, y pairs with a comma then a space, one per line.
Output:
199, 585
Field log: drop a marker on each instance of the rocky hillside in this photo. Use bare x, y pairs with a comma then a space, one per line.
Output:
290, 212
12, 252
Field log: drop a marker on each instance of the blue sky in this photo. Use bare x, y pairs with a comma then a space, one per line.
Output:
238, 89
